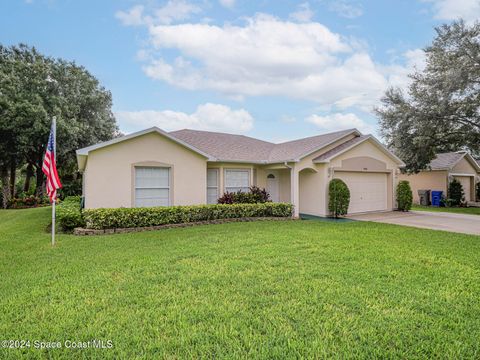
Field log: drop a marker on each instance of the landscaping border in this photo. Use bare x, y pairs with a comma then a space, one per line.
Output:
86, 232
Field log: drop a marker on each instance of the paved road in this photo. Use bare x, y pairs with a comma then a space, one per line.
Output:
460, 223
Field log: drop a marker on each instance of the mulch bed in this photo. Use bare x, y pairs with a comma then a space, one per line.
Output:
83, 232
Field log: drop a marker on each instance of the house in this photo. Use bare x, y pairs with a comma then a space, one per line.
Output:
157, 168
442, 170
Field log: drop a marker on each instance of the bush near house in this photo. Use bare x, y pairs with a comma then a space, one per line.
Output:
339, 197
69, 213
255, 195
155, 216
478, 191
404, 196
456, 196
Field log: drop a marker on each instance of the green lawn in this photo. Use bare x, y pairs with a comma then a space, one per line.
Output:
242, 290
469, 210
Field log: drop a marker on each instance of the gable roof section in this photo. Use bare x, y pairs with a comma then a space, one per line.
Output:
446, 161
347, 145
84, 151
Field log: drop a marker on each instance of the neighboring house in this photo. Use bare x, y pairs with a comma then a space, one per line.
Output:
157, 168
442, 170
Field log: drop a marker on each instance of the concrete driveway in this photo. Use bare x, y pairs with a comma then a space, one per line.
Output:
460, 223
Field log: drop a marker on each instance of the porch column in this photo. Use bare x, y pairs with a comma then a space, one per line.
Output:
294, 191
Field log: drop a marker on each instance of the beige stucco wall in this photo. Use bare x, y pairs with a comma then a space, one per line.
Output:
464, 167
109, 174
426, 180
313, 190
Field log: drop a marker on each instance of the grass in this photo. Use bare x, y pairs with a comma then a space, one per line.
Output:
459, 210
301, 289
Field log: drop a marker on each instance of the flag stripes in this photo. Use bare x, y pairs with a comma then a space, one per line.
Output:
49, 168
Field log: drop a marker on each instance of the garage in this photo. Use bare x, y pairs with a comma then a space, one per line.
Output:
465, 181
368, 191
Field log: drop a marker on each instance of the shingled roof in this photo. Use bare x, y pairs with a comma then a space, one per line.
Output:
340, 148
446, 160
297, 149
223, 146
217, 146
243, 148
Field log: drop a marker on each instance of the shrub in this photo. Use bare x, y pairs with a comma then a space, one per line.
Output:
260, 195
69, 213
455, 193
26, 201
339, 197
404, 196
155, 216
478, 191
255, 195
227, 198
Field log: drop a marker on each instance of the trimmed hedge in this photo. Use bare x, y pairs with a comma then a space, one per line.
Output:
69, 213
154, 216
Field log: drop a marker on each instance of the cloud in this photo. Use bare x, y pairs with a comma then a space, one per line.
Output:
469, 10
172, 11
298, 60
227, 3
303, 13
398, 74
132, 17
206, 117
268, 56
339, 121
346, 9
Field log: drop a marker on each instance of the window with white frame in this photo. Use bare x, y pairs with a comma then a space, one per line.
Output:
152, 186
237, 180
212, 186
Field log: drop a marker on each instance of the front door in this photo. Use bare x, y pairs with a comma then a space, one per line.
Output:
272, 187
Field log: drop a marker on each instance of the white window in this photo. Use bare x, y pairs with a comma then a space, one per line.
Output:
212, 186
237, 180
152, 186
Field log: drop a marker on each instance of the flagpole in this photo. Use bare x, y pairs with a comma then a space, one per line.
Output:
54, 129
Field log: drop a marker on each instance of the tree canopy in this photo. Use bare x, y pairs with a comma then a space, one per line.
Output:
440, 112
33, 89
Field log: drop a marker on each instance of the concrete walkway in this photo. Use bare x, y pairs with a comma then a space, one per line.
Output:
460, 223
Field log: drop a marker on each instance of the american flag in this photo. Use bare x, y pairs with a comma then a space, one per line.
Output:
49, 168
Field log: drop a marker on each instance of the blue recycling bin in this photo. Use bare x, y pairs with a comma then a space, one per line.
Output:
436, 197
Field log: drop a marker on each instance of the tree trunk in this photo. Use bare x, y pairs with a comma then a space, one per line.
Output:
13, 177
39, 181
28, 177
4, 188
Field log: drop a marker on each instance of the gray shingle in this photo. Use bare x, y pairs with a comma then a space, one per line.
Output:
243, 148
295, 149
445, 160
340, 148
226, 146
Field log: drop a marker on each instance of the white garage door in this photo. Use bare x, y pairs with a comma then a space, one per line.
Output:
368, 191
